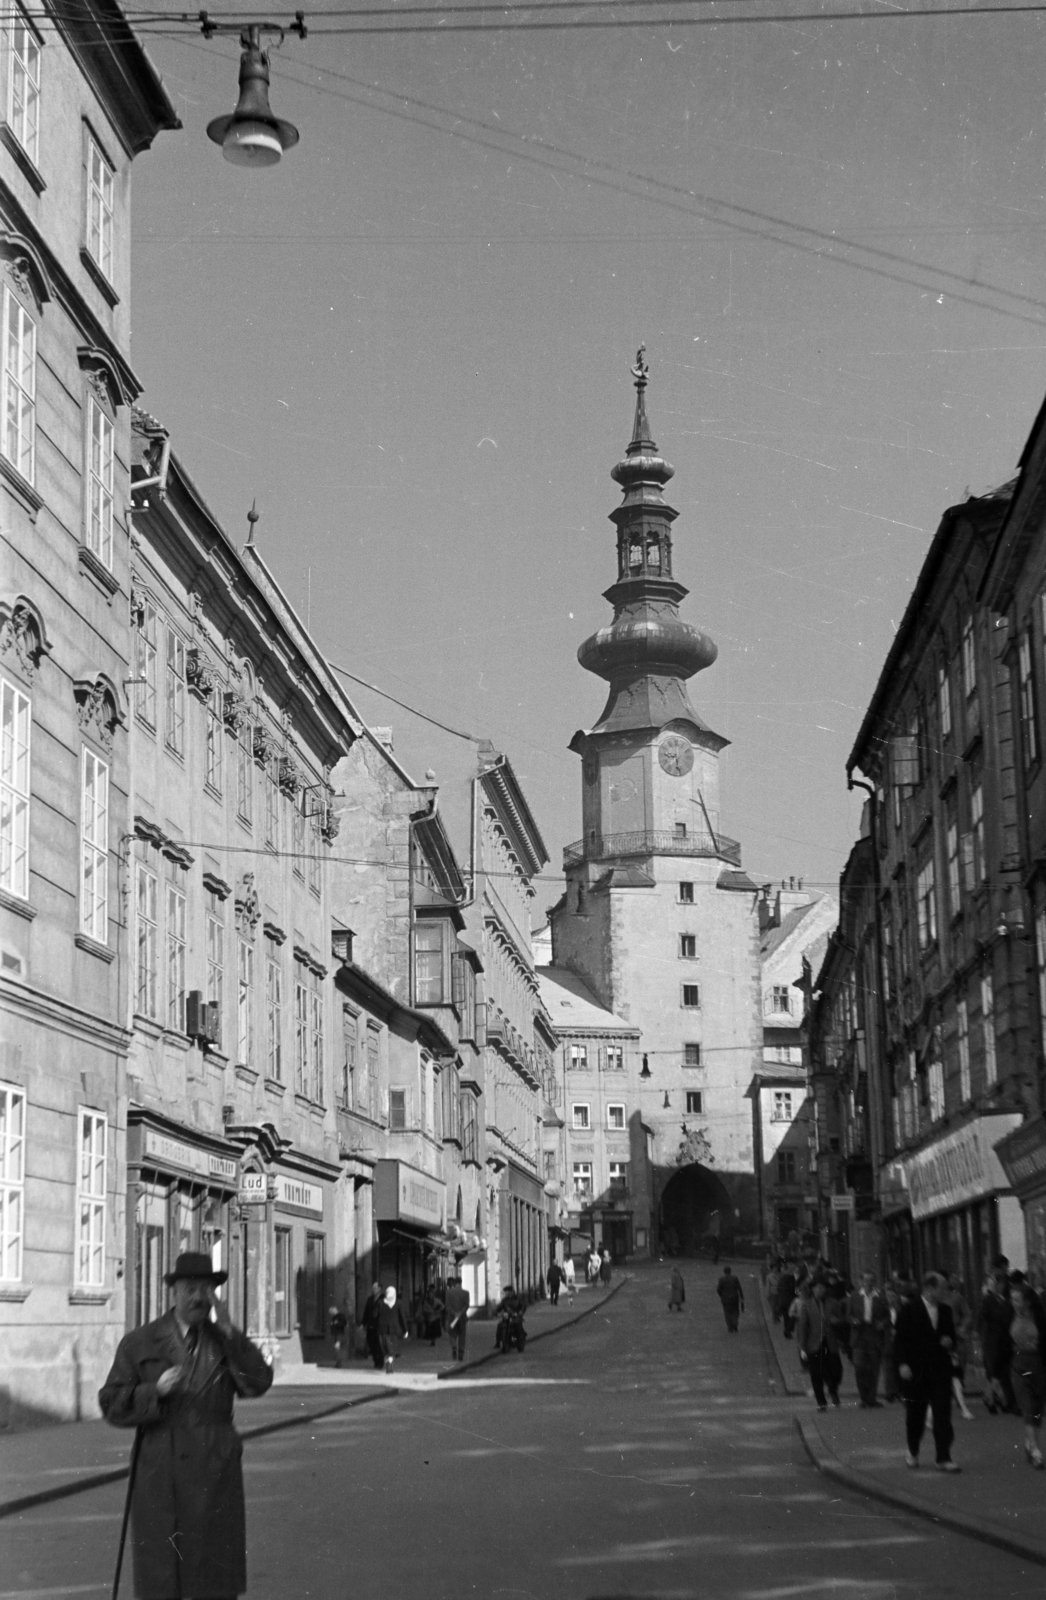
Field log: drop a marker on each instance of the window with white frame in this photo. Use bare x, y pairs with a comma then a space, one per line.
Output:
686, 893
18, 409
781, 1110
23, 84
781, 999
580, 1116
963, 1026
429, 963
90, 1202
692, 1053
146, 940
618, 1173
272, 804
583, 1180
214, 933
245, 1003
94, 848
317, 1036
691, 996
100, 456
952, 847
1026, 699
174, 695
944, 700
15, 725
926, 906
350, 1032
214, 742
273, 1012
301, 1028
145, 664
615, 1058
245, 775
991, 1069
578, 1057
99, 209
12, 1181
687, 946
935, 1086
615, 1117
174, 933
694, 1102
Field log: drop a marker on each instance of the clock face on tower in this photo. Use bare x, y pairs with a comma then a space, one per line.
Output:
676, 756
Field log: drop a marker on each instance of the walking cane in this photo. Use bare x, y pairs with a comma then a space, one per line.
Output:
135, 1448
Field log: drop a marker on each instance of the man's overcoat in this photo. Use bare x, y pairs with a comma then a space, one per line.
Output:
187, 1514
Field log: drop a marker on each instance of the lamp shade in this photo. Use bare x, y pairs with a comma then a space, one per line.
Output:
251, 136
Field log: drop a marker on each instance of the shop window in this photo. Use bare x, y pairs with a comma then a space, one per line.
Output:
15, 723
94, 849
615, 1118
281, 1294
579, 1057
615, 1058
397, 1109
314, 1301
580, 1116
12, 1181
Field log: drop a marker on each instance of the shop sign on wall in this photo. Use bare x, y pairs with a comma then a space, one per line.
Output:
960, 1167
294, 1195
252, 1189
168, 1152
402, 1194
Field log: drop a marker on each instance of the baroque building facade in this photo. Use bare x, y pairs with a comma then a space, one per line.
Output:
79, 101
658, 918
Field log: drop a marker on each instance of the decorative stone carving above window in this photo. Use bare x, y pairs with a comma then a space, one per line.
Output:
265, 747
22, 632
151, 832
274, 932
98, 709
200, 673
248, 909
291, 780
25, 268
235, 710
217, 885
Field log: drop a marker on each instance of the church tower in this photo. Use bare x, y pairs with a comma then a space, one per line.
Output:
658, 918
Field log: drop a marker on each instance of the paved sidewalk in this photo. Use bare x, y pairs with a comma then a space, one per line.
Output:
998, 1498
49, 1463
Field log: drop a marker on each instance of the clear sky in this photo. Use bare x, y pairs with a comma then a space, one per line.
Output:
411, 341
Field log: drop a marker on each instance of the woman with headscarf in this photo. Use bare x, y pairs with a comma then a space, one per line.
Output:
391, 1327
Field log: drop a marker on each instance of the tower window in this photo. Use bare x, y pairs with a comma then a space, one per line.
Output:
686, 894
693, 1102
653, 556
635, 557
688, 946
691, 996
679, 830
691, 1055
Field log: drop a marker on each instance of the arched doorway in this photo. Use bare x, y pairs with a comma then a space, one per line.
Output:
695, 1204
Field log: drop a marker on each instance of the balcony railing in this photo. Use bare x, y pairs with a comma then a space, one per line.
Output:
609, 846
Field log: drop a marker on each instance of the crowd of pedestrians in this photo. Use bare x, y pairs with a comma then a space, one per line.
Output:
912, 1343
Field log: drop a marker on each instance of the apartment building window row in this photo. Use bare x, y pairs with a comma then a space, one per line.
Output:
18, 374
100, 207
90, 1192
309, 1036
15, 732
24, 63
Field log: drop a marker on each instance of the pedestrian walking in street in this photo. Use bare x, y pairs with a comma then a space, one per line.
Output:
458, 1301
786, 1285
678, 1291
818, 1339
605, 1267
993, 1326
391, 1328
175, 1380
773, 1278
369, 1324
337, 1322
867, 1315
954, 1295
1027, 1369
569, 1278
429, 1319
732, 1296
593, 1264
890, 1381
923, 1348
554, 1277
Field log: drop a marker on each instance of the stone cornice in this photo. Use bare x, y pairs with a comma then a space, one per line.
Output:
35, 1006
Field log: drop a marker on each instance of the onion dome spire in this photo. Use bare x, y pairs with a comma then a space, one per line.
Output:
648, 652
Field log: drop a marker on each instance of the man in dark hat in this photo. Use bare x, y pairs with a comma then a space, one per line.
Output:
175, 1380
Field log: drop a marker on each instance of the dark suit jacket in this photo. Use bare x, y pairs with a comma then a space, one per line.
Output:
855, 1315
917, 1344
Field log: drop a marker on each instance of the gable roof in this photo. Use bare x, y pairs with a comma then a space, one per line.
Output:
573, 1007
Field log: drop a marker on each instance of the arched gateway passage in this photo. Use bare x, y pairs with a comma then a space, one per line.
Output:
694, 1204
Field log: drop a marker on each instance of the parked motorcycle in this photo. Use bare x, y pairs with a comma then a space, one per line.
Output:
511, 1332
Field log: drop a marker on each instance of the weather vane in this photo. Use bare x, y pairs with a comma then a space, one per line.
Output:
640, 370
